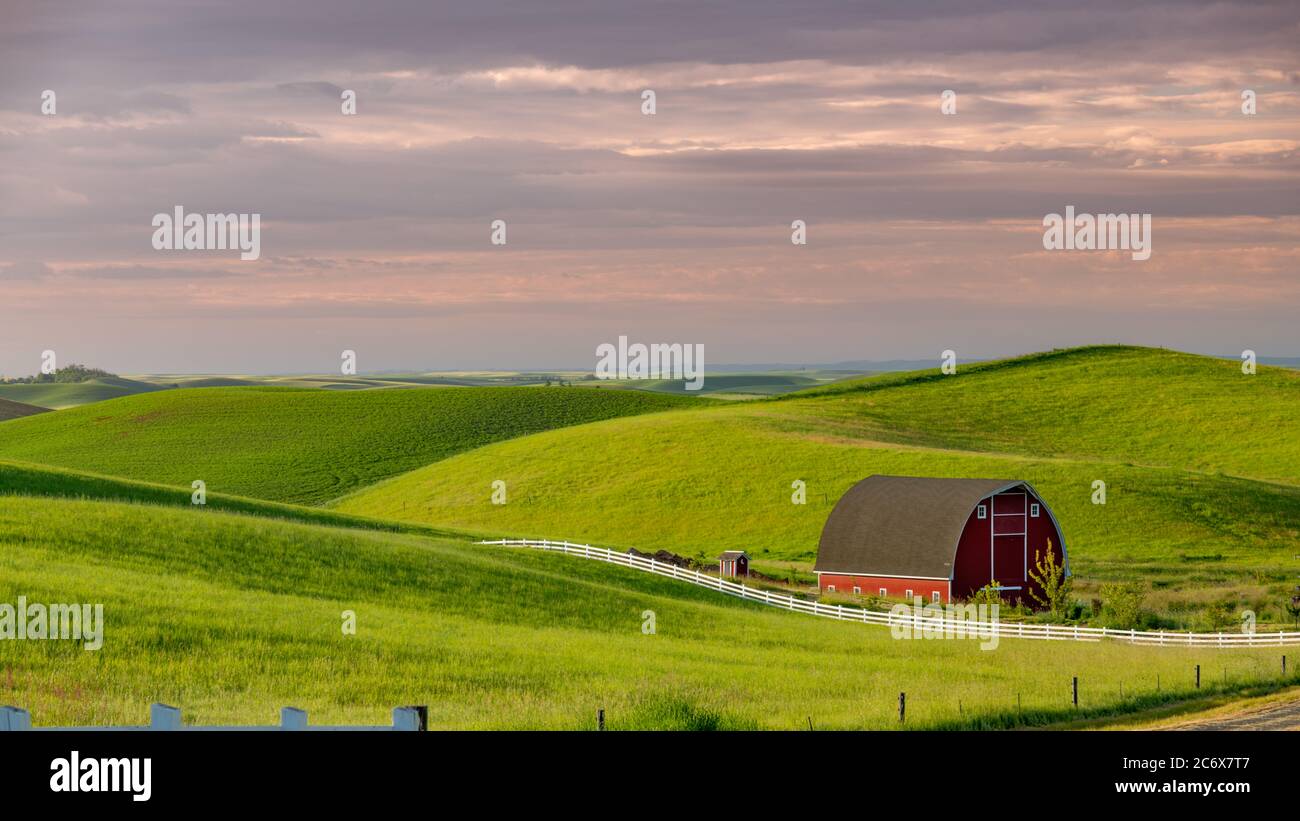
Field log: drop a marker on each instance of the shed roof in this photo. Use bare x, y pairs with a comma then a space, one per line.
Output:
901, 525
733, 554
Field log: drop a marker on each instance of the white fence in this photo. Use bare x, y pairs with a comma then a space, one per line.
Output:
913, 621
164, 717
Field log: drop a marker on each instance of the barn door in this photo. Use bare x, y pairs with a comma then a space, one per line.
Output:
1008, 527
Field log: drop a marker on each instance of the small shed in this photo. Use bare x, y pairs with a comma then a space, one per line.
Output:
733, 563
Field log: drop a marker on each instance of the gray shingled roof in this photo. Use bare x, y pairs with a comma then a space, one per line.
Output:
901, 525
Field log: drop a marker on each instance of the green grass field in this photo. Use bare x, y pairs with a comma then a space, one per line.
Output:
26, 479
321, 501
1131, 405
298, 445
721, 479
233, 616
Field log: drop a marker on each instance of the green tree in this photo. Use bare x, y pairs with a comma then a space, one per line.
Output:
1220, 616
1123, 604
1052, 581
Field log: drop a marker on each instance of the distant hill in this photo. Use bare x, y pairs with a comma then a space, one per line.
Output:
57, 395
300, 444
14, 410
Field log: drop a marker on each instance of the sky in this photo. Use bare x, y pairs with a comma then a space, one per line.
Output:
924, 229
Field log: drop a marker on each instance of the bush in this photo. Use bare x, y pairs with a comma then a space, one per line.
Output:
988, 594
1123, 604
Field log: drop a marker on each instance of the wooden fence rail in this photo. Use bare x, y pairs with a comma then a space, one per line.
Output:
915, 621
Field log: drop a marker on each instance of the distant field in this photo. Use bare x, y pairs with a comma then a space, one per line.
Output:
727, 385
700, 482
298, 445
70, 394
232, 617
16, 410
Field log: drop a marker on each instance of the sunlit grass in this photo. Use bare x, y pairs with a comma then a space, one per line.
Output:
299, 445
231, 617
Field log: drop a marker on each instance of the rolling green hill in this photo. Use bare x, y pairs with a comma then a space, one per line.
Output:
700, 482
1132, 405
299, 445
232, 617
26, 479
70, 394
16, 410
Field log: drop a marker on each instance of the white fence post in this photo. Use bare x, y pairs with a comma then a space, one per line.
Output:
14, 718
291, 718
406, 719
164, 717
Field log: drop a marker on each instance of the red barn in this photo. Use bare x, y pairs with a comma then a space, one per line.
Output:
941, 539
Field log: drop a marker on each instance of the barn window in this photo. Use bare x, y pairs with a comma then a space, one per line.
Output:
1033, 511
934, 597
884, 593
982, 512
830, 588
908, 594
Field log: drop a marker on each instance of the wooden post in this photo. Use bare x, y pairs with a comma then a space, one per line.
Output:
1198, 676
1076, 692
902, 707
600, 719
810, 724
1284, 665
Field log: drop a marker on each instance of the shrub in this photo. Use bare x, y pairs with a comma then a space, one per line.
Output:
1123, 604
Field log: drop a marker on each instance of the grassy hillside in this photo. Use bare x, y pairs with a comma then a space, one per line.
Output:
70, 394
232, 617
299, 445
1132, 405
16, 410
25, 479
700, 482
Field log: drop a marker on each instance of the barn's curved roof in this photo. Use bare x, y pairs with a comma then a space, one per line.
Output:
901, 525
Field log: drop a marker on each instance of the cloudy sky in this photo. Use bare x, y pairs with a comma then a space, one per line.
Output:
924, 229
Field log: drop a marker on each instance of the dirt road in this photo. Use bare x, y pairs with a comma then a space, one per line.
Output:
1284, 716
